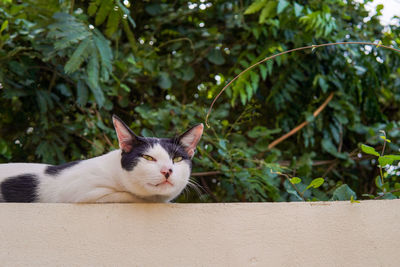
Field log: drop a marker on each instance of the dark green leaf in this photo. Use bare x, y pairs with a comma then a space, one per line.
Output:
343, 192
215, 56
164, 81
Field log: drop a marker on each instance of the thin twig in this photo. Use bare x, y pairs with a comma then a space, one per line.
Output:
201, 174
384, 143
334, 163
89, 141
177, 40
302, 125
52, 81
71, 9
287, 52
340, 139
382, 153
293, 185
393, 191
108, 140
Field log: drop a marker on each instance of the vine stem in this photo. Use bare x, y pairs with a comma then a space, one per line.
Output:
382, 153
393, 191
287, 52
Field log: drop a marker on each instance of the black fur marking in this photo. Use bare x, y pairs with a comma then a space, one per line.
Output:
21, 188
130, 160
55, 170
175, 149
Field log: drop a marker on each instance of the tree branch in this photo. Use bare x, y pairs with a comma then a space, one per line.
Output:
303, 124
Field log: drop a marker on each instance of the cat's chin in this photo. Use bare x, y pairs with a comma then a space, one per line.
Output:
163, 187
167, 189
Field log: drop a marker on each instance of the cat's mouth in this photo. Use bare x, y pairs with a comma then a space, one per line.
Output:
166, 183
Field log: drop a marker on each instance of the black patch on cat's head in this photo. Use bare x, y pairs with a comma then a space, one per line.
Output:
130, 159
21, 188
55, 170
175, 149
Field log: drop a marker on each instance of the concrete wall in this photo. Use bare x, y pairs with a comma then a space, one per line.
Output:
256, 234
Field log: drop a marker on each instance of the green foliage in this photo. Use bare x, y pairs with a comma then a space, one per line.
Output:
387, 183
343, 192
67, 66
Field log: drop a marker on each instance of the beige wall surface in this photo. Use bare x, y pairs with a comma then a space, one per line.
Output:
243, 234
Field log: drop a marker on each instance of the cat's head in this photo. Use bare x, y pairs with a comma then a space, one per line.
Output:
156, 169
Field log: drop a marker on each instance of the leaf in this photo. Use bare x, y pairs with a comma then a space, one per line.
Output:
352, 200
389, 196
255, 79
294, 193
93, 79
267, 12
77, 58
384, 138
281, 6
378, 182
383, 161
5, 151
164, 81
44, 100
105, 8
394, 157
297, 9
261, 131
82, 93
295, 180
322, 83
64, 89
317, 182
112, 23
263, 71
4, 25
343, 192
329, 147
125, 87
126, 12
255, 7
215, 56
188, 73
387, 159
369, 150
105, 52
249, 90
93, 7
93, 70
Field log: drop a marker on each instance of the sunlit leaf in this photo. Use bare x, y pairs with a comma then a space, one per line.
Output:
295, 180
317, 182
369, 150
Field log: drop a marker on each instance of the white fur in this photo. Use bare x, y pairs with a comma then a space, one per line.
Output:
102, 179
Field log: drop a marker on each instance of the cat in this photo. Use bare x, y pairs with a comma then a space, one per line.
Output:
143, 169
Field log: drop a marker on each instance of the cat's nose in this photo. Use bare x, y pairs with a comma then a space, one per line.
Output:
166, 172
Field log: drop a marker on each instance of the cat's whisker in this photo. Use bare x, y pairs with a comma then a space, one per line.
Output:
195, 186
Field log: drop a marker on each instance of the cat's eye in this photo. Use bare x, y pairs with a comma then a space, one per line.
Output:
177, 159
150, 158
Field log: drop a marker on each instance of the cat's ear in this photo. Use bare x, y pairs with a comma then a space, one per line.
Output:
190, 138
126, 137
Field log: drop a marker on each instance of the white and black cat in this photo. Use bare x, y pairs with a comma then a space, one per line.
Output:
142, 170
